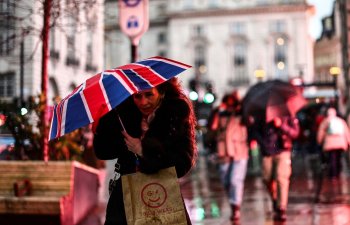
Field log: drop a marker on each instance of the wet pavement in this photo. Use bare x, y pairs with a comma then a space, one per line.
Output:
207, 204
313, 198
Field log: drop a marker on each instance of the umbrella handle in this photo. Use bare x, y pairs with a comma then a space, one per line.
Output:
121, 122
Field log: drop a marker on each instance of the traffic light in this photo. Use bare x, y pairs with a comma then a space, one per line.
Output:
209, 96
24, 111
193, 94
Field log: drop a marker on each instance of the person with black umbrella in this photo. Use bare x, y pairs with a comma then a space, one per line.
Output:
275, 141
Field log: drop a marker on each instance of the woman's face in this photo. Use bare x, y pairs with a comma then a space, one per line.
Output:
147, 101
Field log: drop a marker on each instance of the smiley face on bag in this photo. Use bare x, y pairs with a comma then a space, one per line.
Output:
153, 195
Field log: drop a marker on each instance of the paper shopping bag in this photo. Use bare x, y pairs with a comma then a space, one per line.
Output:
153, 198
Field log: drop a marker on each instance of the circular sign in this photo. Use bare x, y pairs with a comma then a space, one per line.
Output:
131, 3
153, 195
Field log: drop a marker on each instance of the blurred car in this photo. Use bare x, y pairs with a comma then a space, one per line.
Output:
5, 141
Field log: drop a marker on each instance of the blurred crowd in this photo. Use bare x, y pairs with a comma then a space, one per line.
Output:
269, 145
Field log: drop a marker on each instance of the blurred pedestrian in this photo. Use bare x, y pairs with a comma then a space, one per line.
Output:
232, 152
159, 133
225, 107
275, 139
334, 137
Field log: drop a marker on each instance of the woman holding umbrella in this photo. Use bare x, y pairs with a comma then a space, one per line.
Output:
157, 131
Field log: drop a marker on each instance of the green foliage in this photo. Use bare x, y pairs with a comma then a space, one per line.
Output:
27, 131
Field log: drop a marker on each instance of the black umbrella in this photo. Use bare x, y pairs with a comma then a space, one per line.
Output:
270, 99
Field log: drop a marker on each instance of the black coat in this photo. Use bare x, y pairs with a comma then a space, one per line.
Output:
273, 140
169, 141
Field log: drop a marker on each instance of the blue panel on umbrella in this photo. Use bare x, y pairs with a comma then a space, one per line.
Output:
53, 124
164, 69
77, 116
115, 91
140, 83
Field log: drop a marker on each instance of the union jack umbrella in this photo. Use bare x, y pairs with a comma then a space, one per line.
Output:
102, 92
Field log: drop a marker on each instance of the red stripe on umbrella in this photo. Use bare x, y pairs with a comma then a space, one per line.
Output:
94, 95
127, 81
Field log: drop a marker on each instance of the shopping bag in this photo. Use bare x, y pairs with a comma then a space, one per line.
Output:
153, 198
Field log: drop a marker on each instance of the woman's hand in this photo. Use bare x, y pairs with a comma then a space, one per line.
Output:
133, 144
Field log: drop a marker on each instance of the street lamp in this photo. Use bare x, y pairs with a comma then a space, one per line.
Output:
335, 71
259, 74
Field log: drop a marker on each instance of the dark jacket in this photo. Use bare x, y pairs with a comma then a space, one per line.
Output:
273, 140
170, 141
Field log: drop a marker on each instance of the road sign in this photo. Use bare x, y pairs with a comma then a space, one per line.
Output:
133, 18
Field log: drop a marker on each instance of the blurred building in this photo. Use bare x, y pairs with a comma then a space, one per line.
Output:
75, 46
232, 44
331, 52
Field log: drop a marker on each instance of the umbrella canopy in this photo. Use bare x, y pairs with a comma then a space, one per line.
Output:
104, 91
270, 99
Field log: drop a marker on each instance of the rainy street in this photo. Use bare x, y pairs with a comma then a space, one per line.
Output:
309, 202
261, 87
206, 202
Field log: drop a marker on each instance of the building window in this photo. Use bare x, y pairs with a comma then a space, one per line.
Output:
240, 75
198, 30
278, 26
54, 54
71, 59
237, 28
262, 2
7, 40
71, 32
7, 85
280, 50
280, 57
199, 61
7, 27
89, 53
214, 3
52, 38
188, 4
71, 44
162, 38
161, 9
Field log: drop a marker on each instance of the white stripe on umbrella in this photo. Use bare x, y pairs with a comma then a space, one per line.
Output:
86, 106
182, 65
126, 82
63, 123
104, 93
